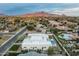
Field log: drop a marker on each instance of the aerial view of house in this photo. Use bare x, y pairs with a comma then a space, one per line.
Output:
39, 29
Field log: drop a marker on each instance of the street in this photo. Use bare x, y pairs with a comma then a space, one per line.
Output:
6, 46
59, 43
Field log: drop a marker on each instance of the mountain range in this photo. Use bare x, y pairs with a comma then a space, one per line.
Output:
36, 14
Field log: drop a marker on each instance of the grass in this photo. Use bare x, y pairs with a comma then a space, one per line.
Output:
14, 47
3, 39
13, 54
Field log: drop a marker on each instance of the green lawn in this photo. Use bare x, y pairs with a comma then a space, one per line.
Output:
14, 47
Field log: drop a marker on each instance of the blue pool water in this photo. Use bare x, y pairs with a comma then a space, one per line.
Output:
66, 36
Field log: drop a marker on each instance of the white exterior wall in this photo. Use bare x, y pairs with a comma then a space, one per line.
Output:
30, 47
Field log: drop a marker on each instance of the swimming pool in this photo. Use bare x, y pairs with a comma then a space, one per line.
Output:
66, 36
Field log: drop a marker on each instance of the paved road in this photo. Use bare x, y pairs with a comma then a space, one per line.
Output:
4, 33
63, 48
5, 47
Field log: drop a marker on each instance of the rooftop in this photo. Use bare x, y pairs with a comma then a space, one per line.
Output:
37, 39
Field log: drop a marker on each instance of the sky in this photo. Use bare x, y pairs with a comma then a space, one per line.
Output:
70, 9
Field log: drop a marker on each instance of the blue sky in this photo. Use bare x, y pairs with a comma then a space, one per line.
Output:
24, 8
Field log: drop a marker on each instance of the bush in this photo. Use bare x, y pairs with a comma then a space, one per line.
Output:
24, 51
14, 47
30, 27
50, 36
50, 51
0, 37
39, 51
13, 54
55, 31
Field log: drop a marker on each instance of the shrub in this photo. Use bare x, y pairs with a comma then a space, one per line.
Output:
0, 37
30, 27
14, 47
50, 51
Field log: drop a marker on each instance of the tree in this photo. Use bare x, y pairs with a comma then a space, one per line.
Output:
30, 27
17, 20
50, 36
0, 37
39, 51
55, 31
23, 24
50, 51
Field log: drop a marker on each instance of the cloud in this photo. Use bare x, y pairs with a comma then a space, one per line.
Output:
71, 9
69, 12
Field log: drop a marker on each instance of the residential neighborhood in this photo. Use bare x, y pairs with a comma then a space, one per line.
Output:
39, 33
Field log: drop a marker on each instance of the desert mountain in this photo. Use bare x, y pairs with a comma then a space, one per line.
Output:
40, 14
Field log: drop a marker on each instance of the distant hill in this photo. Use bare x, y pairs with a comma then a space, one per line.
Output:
2, 14
40, 14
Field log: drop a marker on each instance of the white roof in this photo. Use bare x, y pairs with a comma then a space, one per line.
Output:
37, 39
